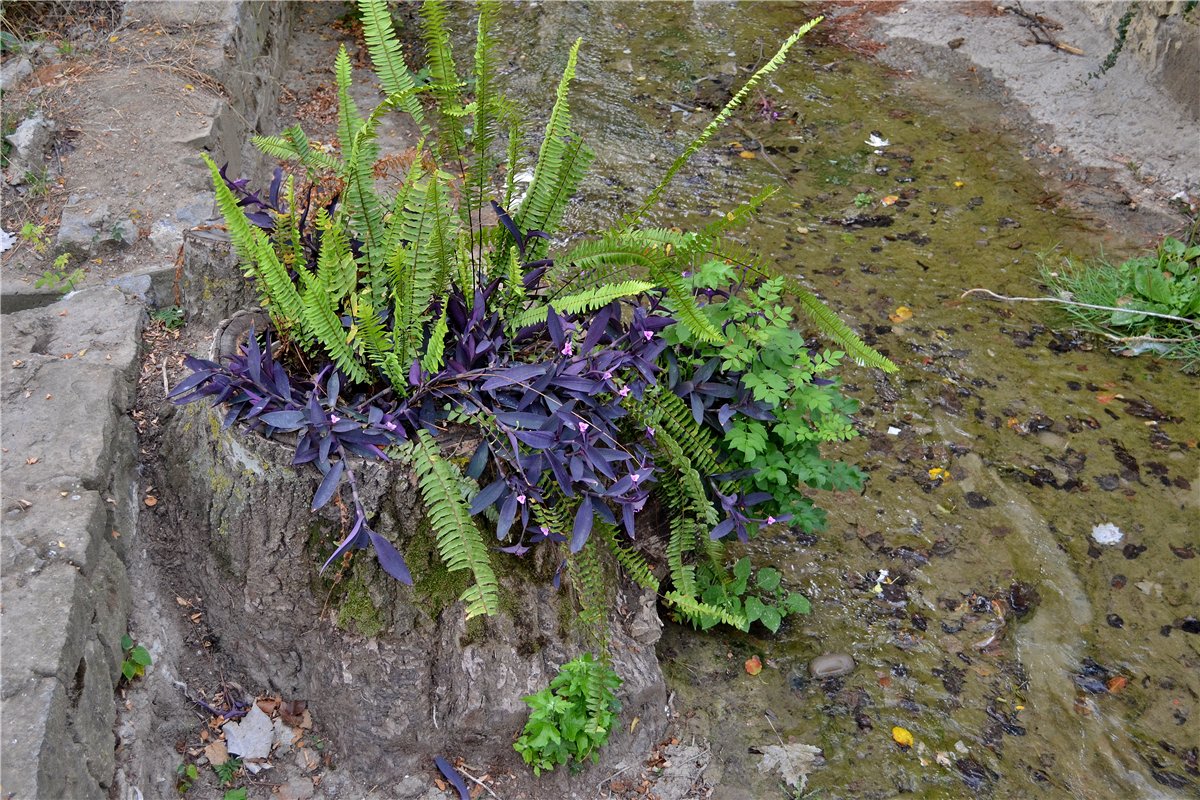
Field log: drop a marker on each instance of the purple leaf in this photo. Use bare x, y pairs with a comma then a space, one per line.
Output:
352, 540
488, 495
508, 512
450, 772
723, 528
583, 524
329, 485
554, 326
389, 558
518, 374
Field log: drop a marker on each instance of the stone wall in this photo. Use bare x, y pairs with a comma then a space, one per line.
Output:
1165, 37
69, 474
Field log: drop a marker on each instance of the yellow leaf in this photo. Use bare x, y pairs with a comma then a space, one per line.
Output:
753, 665
747, 154
901, 314
959, 184
902, 737
189, 87
890, 199
937, 473
633, 725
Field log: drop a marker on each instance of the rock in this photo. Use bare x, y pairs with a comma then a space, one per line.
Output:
29, 141
81, 226
124, 232
831, 665
13, 72
166, 234
295, 789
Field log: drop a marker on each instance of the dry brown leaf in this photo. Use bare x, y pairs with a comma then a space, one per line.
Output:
216, 753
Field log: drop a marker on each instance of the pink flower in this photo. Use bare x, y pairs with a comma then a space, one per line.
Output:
607, 374
633, 476
583, 426
624, 392
568, 349
521, 499
648, 334
545, 531
334, 419
649, 431
770, 520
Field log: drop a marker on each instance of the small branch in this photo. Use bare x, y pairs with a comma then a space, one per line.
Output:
472, 778
1185, 320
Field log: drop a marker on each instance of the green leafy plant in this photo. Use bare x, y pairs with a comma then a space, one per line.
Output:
1147, 303
137, 658
57, 278
186, 777
638, 366
235, 794
227, 771
35, 235
170, 317
862, 200
744, 601
572, 718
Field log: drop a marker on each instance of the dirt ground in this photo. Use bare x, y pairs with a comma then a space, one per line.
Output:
128, 102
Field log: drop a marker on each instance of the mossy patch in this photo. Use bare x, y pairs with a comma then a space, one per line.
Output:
357, 613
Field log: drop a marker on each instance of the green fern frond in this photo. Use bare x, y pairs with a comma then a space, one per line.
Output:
322, 319
435, 351
387, 58
562, 161
348, 118
459, 541
633, 562
685, 308
682, 540
487, 110
293, 145
444, 83
587, 574
253, 247
702, 613
773, 64
336, 270
377, 344
831, 325
737, 217
664, 410
584, 301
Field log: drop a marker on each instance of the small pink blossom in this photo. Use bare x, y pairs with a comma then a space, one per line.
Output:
583, 426
633, 476
770, 520
648, 334
568, 349
624, 391
607, 374
545, 531
334, 419
521, 499
649, 431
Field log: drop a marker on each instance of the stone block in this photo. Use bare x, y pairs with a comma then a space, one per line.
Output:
45, 629
93, 712
13, 72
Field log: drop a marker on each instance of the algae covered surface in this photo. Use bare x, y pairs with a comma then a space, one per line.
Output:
1024, 658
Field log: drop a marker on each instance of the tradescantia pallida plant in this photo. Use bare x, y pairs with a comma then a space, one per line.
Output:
641, 365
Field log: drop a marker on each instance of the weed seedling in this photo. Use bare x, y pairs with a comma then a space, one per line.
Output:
170, 317
137, 658
188, 775
862, 200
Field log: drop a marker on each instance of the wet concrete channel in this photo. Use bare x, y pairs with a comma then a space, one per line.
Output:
1026, 660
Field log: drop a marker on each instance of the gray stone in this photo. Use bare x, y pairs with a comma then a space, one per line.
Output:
166, 234
124, 233
93, 712
29, 142
40, 757
82, 226
154, 287
831, 665
43, 636
13, 72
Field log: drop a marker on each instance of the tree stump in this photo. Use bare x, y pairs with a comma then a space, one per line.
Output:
394, 674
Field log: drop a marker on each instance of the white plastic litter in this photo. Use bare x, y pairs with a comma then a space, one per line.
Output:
1107, 534
7, 240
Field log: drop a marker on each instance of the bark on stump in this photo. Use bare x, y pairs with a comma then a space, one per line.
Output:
394, 674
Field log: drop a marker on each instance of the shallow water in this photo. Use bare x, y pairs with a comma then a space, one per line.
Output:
1034, 429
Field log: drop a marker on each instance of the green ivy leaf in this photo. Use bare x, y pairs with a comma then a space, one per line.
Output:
797, 604
771, 619
140, 655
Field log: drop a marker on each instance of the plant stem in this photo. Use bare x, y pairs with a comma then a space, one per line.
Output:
1185, 320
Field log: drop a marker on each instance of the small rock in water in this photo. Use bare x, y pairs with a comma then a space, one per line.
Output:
831, 665
1107, 534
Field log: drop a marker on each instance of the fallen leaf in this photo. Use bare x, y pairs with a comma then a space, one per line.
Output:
151, 501
33, 460
293, 711
216, 753
753, 665
1105, 399
793, 761
901, 314
890, 199
959, 184
902, 736
633, 725
938, 474
748, 154
1117, 683
268, 704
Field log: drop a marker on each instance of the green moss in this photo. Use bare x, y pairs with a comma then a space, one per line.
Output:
357, 612
434, 586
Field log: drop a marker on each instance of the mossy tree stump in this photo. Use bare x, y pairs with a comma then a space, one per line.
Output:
394, 674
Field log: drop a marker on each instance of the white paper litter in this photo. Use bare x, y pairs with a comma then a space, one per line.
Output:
7, 240
252, 737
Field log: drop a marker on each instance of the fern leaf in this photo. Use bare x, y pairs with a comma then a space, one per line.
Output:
773, 64
562, 160
377, 345
435, 351
387, 58
682, 540
444, 83
323, 321
703, 614
459, 541
275, 287
591, 589
633, 562
348, 119
831, 326
584, 301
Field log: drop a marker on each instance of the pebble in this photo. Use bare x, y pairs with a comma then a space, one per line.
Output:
831, 665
